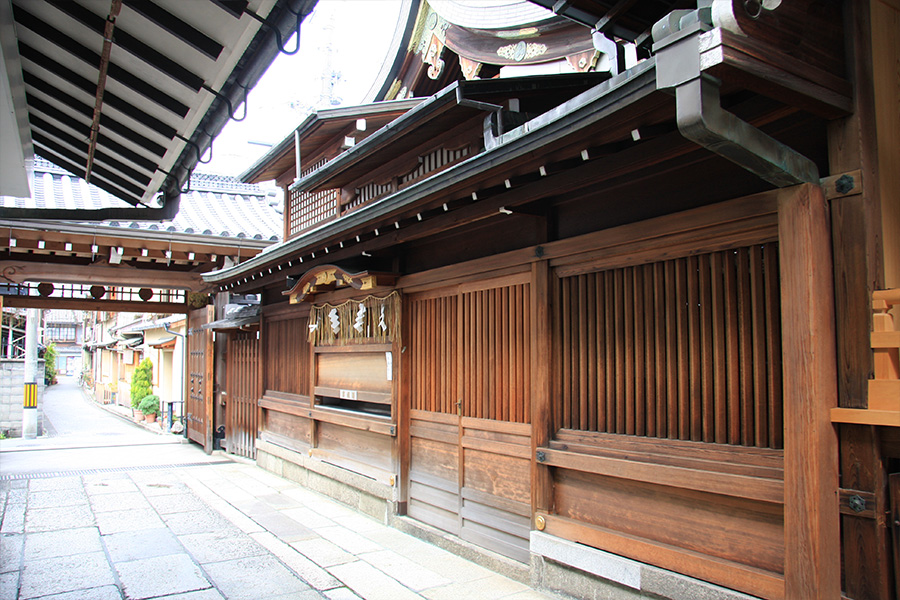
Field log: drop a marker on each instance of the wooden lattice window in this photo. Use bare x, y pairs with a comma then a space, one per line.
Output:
305, 209
686, 349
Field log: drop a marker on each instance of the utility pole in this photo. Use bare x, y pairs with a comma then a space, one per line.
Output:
29, 405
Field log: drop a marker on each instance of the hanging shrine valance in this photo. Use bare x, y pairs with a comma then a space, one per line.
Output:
370, 320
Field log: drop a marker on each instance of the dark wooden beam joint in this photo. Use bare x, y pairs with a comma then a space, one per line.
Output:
842, 185
857, 503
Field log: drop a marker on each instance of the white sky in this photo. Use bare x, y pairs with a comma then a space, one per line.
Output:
358, 32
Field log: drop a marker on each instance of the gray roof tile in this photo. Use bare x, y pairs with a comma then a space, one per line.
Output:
215, 205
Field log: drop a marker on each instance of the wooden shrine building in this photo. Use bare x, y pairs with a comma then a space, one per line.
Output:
608, 321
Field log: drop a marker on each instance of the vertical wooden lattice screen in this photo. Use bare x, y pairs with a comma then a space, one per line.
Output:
287, 355
243, 393
485, 334
496, 353
685, 349
433, 360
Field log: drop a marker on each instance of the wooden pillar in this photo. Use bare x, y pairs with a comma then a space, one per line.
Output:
541, 359
858, 268
812, 534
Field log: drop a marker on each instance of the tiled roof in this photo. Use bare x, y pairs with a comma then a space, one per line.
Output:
215, 205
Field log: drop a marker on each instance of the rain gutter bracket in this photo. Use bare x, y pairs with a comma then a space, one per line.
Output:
701, 118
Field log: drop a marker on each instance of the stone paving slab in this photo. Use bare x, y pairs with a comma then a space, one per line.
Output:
160, 576
65, 574
312, 573
11, 547
65, 517
254, 577
65, 542
119, 521
58, 498
131, 501
217, 546
144, 543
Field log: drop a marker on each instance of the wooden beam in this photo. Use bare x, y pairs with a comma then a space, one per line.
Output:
812, 532
114, 9
122, 275
95, 305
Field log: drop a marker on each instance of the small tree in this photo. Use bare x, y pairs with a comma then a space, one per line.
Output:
141, 385
50, 357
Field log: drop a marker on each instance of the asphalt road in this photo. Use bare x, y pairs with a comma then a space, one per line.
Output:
81, 436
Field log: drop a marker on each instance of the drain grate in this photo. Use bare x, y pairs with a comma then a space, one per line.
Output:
13, 476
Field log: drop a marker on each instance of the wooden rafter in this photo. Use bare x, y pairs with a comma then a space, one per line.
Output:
114, 9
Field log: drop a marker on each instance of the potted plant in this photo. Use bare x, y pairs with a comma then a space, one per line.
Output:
141, 386
149, 406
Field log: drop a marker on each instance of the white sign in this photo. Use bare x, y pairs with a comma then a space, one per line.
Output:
389, 359
348, 394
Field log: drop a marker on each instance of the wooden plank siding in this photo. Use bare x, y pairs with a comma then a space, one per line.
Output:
244, 391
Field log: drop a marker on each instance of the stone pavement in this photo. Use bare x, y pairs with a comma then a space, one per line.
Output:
225, 529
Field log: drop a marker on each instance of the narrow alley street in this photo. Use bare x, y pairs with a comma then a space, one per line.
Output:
99, 509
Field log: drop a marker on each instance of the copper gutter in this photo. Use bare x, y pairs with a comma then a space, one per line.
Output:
114, 9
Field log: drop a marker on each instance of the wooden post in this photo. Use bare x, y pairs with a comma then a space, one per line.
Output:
812, 533
541, 411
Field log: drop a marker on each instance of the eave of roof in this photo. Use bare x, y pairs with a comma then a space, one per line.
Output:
282, 155
595, 105
627, 20
439, 113
151, 82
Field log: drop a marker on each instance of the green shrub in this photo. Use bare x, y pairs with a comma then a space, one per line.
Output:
149, 405
50, 357
141, 385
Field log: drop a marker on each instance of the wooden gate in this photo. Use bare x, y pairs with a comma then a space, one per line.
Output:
244, 391
470, 426
198, 413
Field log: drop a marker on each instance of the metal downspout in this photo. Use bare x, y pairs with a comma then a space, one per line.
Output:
702, 119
